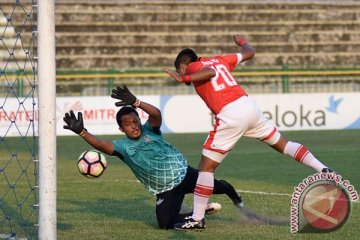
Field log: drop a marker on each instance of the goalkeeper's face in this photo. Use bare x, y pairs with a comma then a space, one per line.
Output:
131, 126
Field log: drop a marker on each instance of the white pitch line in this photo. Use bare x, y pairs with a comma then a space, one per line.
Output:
272, 193
263, 193
238, 190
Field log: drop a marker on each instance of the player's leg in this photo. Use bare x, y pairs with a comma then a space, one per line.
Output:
202, 192
231, 123
293, 149
178, 199
188, 185
263, 129
169, 213
168, 205
204, 186
300, 153
223, 187
220, 186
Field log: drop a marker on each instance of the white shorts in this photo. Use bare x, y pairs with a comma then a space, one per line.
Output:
240, 118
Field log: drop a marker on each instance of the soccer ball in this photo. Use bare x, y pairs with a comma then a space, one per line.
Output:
92, 164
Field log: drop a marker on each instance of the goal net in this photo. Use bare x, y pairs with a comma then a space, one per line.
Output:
20, 194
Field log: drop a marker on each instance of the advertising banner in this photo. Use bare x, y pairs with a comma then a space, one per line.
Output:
188, 113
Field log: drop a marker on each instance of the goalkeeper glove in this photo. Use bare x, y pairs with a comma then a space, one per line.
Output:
73, 124
126, 97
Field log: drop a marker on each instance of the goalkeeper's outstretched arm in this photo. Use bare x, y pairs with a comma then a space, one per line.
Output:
77, 126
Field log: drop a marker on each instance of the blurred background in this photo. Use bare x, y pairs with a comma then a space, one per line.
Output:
301, 46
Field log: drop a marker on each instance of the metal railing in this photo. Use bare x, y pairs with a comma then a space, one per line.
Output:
149, 82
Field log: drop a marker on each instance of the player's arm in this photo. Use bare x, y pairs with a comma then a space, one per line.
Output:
204, 74
246, 49
127, 98
155, 118
77, 126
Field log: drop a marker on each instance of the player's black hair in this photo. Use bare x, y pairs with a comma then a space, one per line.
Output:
124, 111
186, 56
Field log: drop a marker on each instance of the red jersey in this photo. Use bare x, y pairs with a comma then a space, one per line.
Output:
221, 89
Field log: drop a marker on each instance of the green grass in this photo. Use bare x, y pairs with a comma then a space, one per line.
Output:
116, 206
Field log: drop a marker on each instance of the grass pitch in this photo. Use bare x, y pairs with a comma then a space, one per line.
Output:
116, 206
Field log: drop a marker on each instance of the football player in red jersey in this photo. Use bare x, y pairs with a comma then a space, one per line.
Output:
236, 115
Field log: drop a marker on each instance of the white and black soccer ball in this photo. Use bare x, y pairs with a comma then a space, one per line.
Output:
92, 164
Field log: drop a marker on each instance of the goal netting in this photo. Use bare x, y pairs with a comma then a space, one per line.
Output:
20, 169
18, 121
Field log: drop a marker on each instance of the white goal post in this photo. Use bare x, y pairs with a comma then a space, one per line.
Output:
47, 119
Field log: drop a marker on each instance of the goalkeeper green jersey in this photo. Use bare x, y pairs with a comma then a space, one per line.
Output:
155, 162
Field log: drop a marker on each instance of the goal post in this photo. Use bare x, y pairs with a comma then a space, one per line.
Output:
27, 120
47, 120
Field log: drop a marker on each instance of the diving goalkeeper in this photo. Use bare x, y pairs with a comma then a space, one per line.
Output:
159, 166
